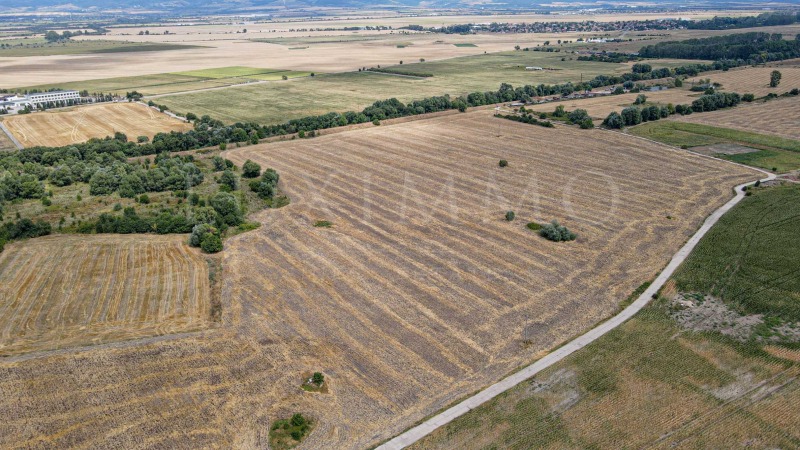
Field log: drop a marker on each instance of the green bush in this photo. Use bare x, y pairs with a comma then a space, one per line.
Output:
503, 163
211, 243
556, 232
250, 169
229, 179
534, 226
297, 420
510, 215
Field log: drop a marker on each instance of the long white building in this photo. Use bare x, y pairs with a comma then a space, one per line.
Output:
45, 97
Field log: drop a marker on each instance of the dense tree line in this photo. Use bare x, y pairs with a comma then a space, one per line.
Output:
22, 229
735, 49
399, 72
729, 23
634, 115
526, 118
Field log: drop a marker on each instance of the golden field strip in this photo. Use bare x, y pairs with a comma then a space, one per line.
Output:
601, 107
752, 80
63, 291
79, 124
778, 117
419, 294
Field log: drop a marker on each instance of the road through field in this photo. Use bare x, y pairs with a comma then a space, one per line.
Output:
10, 136
419, 294
420, 431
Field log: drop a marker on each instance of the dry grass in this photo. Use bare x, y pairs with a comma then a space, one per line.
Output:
778, 117
420, 293
5, 143
753, 80
65, 291
79, 124
600, 107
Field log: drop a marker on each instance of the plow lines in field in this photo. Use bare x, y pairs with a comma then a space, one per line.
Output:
64, 291
58, 128
419, 293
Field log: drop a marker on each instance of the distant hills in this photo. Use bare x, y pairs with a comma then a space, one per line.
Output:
183, 7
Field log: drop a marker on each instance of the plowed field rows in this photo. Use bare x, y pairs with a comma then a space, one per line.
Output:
419, 294
778, 117
64, 291
80, 124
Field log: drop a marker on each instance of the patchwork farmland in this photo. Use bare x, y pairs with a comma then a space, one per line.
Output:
79, 124
418, 294
64, 291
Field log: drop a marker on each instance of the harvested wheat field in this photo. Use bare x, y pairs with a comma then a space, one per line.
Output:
418, 294
58, 128
64, 291
601, 107
753, 80
778, 117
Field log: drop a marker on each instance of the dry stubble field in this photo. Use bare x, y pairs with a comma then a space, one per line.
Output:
63, 291
778, 117
79, 124
753, 80
419, 294
601, 107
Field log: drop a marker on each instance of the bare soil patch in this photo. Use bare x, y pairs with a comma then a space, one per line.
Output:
724, 149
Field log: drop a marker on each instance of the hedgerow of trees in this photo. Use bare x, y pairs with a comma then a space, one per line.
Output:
730, 50
634, 115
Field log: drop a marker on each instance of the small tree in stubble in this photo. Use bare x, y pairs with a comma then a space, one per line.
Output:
774, 78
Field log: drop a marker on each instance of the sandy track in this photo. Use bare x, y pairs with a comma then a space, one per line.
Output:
65, 291
80, 124
419, 294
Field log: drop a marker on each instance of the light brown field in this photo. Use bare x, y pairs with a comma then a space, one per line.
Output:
58, 128
419, 294
778, 117
224, 47
753, 80
600, 107
64, 291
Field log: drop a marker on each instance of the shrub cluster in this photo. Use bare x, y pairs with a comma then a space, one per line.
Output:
267, 185
556, 232
526, 118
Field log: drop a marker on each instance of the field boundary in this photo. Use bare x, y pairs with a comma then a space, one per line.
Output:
10, 136
418, 432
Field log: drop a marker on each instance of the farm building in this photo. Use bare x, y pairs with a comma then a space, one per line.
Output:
45, 97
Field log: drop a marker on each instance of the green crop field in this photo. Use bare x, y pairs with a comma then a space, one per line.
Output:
692, 389
37, 47
775, 152
168, 83
341, 92
227, 72
751, 258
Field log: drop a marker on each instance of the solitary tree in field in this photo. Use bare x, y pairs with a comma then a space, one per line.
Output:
774, 78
